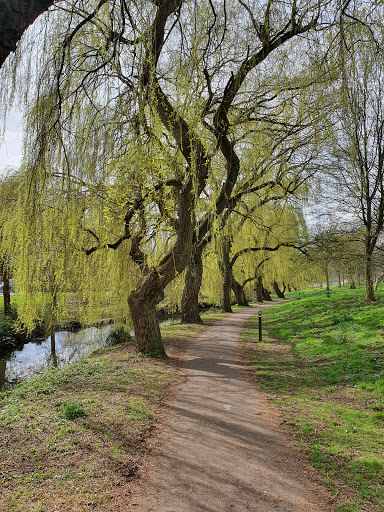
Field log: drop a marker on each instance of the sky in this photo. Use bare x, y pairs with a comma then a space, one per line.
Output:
10, 145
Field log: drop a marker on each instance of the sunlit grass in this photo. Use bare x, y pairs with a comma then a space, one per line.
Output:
322, 364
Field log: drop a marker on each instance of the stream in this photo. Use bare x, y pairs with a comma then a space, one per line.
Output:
66, 347
34, 357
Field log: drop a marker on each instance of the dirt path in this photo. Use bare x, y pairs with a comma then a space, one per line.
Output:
222, 448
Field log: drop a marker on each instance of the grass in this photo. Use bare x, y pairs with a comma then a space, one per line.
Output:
322, 364
72, 439
72, 411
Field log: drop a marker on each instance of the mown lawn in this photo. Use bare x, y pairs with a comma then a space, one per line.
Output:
321, 364
72, 439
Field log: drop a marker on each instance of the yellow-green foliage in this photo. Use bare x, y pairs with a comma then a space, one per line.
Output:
212, 279
112, 126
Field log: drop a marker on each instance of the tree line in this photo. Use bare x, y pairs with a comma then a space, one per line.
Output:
170, 145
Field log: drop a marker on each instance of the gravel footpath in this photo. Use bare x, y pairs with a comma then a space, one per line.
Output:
222, 447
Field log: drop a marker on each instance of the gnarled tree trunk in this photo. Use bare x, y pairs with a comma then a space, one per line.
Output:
142, 306
149, 292
190, 313
241, 298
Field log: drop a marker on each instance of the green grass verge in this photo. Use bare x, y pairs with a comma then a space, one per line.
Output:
71, 438
321, 363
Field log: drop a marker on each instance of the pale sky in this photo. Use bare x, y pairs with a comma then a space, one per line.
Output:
10, 145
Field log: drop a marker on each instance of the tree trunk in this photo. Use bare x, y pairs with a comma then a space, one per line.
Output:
226, 291
149, 292
277, 290
369, 289
238, 290
190, 313
326, 272
142, 303
259, 289
226, 272
266, 294
6, 289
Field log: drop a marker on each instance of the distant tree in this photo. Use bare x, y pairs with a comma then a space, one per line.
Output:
358, 155
324, 249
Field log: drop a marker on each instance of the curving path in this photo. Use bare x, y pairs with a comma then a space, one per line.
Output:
222, 448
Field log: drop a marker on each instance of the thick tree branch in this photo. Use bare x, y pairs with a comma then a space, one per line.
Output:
269, 249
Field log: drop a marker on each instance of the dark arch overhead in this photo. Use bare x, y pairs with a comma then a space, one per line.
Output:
15, 17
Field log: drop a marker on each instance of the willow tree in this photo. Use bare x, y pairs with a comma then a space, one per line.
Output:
8, 194
279, 147
258, 249
141, 114
358, 144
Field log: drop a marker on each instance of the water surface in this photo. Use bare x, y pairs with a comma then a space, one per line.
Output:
64, 348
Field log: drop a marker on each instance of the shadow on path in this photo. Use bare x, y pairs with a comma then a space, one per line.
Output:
222, 448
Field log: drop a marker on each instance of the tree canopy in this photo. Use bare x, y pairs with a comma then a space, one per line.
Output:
151, 126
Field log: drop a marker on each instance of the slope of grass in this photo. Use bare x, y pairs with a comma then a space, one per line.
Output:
322, 364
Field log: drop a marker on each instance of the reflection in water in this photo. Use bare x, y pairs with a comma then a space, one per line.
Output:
57, 350
53, 349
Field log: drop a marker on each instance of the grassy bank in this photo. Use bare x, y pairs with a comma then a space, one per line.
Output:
71, 439
321, 363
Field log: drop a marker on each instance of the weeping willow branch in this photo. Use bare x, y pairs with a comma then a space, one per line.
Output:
300, 248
